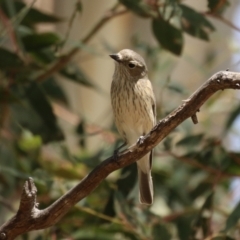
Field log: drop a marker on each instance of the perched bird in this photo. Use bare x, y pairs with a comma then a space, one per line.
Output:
134, 110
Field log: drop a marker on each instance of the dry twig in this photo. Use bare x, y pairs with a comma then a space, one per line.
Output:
29, 217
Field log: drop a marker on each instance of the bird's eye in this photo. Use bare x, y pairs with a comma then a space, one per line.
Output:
131, 65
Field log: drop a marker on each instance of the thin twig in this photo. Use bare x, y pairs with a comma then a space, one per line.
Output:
63, 61
9, 29
6, 203
224, 20
192, 162
29, 217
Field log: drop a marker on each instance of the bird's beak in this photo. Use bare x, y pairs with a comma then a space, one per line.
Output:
116, 57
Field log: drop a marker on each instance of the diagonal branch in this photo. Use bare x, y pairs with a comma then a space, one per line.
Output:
29, 217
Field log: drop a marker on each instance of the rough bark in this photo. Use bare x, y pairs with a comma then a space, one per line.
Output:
29, 217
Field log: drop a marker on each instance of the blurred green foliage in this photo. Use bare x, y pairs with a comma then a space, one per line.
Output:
189, 186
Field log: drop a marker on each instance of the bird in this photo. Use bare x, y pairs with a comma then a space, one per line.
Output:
134, 109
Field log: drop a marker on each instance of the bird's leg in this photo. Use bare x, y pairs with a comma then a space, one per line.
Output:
116, 151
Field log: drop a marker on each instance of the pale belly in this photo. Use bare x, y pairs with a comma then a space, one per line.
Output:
134, 117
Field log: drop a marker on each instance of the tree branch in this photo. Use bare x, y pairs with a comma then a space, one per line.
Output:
64, 60
29, 217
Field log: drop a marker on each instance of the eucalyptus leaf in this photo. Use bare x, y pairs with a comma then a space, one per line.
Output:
195, 24
191, 140
218, 6
41, 105
232, 117
38, 41
140, 7
233, 218
169, 37
74, 73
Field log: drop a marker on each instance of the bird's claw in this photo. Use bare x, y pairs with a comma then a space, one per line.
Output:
115, 154
140, 140
116, 151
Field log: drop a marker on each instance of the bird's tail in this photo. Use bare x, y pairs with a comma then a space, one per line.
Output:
145, 179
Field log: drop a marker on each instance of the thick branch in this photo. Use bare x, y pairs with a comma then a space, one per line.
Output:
29, 217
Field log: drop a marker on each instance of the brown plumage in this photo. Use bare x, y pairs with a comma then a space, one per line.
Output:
133, 104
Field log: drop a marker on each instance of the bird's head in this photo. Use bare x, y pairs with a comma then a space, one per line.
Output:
130, 64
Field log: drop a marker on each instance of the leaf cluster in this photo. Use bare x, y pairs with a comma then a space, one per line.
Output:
189, 187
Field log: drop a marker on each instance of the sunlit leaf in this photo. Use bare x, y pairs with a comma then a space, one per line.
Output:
29, 142
233, 218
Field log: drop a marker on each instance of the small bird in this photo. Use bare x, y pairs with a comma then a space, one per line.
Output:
134, 109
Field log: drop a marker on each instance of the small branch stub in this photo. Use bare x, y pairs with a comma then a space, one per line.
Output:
29, 217
194, 118
3, 236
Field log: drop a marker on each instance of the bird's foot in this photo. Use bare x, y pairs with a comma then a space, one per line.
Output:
115, 155
116, 151
140, 140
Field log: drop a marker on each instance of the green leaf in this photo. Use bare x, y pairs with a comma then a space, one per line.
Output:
124, 185
9, 60
100, 232
33, 15
92, 234
234, 167
29, 142
12, 65
127, 180
168, 36
222, 237
183, 224
195, 23
233, 218
123, 209
191, 140
140, 7
160, 231
201, 189
202, 221
232, 117
41, 105
53, 89
74, 73
44, 56
81, 130
79, 6
8, 97
41, 40
177, 88
14, 172
218, 6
